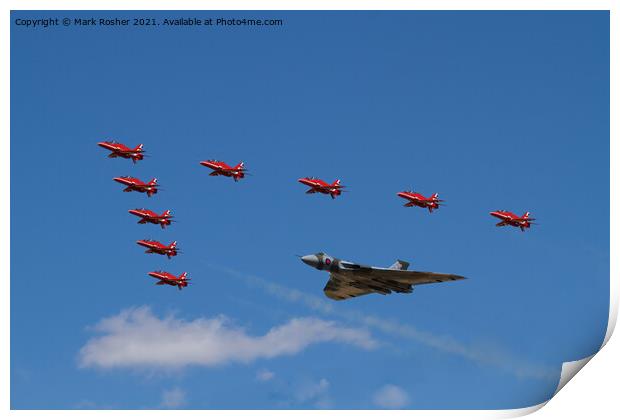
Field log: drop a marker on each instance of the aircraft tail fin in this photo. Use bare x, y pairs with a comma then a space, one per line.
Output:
173, 244
239, 165
166, 213
183, 276
153, 181
336, 183
399, 265
139, 147
526, 215
434, 196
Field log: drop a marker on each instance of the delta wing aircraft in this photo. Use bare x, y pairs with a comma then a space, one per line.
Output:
349, 280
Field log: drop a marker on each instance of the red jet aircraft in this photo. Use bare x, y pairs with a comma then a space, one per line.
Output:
220, 168
148, 216
418, 200
120, 150
509, 218
319, 186
134, 184
170, 279
155, 247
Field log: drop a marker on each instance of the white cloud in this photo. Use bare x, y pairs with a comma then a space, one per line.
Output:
312, 390
173, 398
138, 338
390, 396
314, 393
264, 375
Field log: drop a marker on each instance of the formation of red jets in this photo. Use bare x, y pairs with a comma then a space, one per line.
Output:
147, 216
237, 172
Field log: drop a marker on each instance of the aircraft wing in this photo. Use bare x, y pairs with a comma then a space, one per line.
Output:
341, 287
350, 284
409, 277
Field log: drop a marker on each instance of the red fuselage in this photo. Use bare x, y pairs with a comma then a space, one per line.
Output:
155, 247
511, 219
134, 184
170, 279
319, 186
148, 216
221, 168
418, 200
120, 150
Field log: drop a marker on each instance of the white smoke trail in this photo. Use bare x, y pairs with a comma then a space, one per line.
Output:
481, 355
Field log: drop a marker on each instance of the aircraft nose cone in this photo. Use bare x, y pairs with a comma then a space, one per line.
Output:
311, 260
118, 179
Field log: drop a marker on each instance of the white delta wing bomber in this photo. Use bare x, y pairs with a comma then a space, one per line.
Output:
349, 280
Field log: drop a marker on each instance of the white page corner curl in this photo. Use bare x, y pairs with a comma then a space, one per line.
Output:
569, 370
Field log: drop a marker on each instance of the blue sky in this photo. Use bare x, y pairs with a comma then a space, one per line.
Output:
490, 110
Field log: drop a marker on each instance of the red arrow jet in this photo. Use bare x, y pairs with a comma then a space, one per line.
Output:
509, 218
319, 186
154, 247
148, 216
170, 279
220, 168
418, 200
134, 184
120, 150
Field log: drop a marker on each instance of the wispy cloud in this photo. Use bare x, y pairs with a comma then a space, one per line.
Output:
137, 338
390, 396
315, 393
484, 355
264, 375
173, 398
